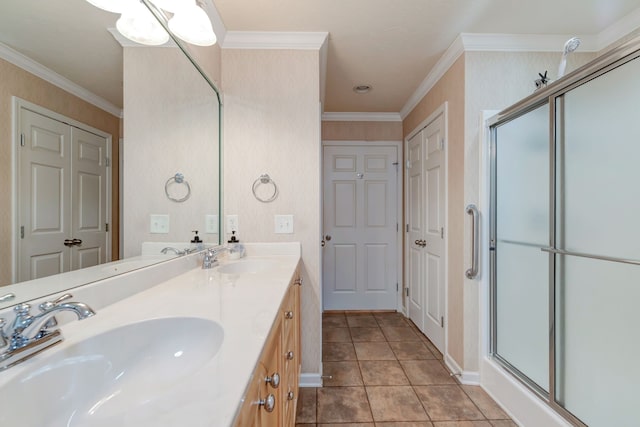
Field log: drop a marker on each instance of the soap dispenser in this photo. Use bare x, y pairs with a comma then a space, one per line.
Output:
196, 242
236, 250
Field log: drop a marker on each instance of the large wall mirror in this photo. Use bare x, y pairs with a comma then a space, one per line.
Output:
67, 79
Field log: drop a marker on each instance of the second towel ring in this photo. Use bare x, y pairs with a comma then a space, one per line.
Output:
264, 179
178, 179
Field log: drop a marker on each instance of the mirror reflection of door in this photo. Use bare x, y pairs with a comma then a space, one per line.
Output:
61, 196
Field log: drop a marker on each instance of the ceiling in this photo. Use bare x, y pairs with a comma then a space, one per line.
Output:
389, 44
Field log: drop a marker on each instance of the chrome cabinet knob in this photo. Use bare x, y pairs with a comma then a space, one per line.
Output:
269, 403
298, 282
288, 315
273, 380
290, 395
289, 355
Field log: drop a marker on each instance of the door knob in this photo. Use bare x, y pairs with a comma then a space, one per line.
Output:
327, 237
76, 241
421, 243
68, 242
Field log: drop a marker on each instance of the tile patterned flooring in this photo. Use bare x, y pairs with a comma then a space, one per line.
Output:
386, 373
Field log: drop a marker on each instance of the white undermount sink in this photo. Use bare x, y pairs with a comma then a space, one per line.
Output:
124, 376
246, 266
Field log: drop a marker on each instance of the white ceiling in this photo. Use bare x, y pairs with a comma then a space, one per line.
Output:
390, 44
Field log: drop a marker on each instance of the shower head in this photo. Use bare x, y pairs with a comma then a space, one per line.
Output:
570, 46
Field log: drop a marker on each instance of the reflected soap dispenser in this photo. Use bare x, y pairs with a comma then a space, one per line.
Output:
236, 250
196, 243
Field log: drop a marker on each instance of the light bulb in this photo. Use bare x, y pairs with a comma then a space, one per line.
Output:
192, 24
139, 25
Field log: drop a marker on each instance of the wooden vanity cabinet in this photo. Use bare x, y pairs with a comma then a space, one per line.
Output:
281, 355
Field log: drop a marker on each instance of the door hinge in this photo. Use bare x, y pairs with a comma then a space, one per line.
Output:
407, 228
397, 227
408, 164
22, 231
406, 290
397, 287
442, 232
106, 227
442, 144
22, 143
107, 161
441, 321
396, 165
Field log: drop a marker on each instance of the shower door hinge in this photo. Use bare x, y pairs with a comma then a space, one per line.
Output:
442, 321
22, 231
22, 140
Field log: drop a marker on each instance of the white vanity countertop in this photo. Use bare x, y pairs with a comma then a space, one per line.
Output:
244, 305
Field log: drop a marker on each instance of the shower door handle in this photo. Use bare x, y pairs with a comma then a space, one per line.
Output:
472, 272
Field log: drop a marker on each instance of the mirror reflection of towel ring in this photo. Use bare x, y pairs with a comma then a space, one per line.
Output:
178, 179
264, 179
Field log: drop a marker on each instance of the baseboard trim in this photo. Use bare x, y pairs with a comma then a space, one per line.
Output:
465, 377
310, 380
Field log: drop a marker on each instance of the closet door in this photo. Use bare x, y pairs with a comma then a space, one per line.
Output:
44, 200
89, 193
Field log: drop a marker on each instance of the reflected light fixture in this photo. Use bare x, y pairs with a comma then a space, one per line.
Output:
139, 25
188, 21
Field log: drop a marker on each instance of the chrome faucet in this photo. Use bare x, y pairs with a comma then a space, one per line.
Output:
210, 259
29, 334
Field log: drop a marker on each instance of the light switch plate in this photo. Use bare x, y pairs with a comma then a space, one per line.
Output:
211, 224
232, 224
159, 224
284, 224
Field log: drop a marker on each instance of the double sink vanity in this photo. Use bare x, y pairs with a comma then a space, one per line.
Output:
171, 344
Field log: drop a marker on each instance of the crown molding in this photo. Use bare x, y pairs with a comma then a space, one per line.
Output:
361, 117
274, 40
50, 76
453, 52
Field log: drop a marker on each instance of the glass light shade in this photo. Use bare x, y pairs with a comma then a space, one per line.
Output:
140, 26
114, 6
169, 5
192, 24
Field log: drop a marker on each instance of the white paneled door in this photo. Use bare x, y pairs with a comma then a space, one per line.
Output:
426, 230
62, 197
360, 227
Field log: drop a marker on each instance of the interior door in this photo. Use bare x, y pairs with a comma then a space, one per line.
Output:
360, 226
89, 190
43, 196
426, 230
415, 254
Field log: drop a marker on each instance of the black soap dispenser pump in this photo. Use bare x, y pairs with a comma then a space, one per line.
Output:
196, 242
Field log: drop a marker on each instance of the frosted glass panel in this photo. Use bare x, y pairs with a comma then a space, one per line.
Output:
522, 228
522, 310
522, 158
597, 340
600, 174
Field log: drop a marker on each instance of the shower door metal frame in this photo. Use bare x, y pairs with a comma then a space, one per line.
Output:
553, 95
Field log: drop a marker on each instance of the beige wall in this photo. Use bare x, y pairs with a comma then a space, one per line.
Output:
14, 81
272, 125
361, 131
170, 126
450, 89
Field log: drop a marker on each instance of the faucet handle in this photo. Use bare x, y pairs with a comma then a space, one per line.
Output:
47, 305
22, 310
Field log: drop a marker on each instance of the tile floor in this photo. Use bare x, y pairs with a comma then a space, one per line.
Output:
388, 374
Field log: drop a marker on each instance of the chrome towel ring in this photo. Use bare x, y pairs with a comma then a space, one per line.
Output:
265, 179
178, 178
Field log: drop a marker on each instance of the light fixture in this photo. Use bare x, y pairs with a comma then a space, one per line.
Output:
139, 25
362, 88
191, 23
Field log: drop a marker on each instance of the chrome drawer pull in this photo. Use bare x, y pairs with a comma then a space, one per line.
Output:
269, 403
273, 380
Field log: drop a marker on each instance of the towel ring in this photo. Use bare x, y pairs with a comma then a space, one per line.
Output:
264, 179
178, 179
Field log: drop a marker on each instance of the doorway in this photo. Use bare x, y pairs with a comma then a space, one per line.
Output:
426, 198
361, 226
62, 197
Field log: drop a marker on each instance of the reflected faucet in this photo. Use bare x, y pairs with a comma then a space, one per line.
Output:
30, 334
169, 248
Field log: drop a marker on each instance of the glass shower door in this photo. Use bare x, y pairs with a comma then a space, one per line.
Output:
521, 206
